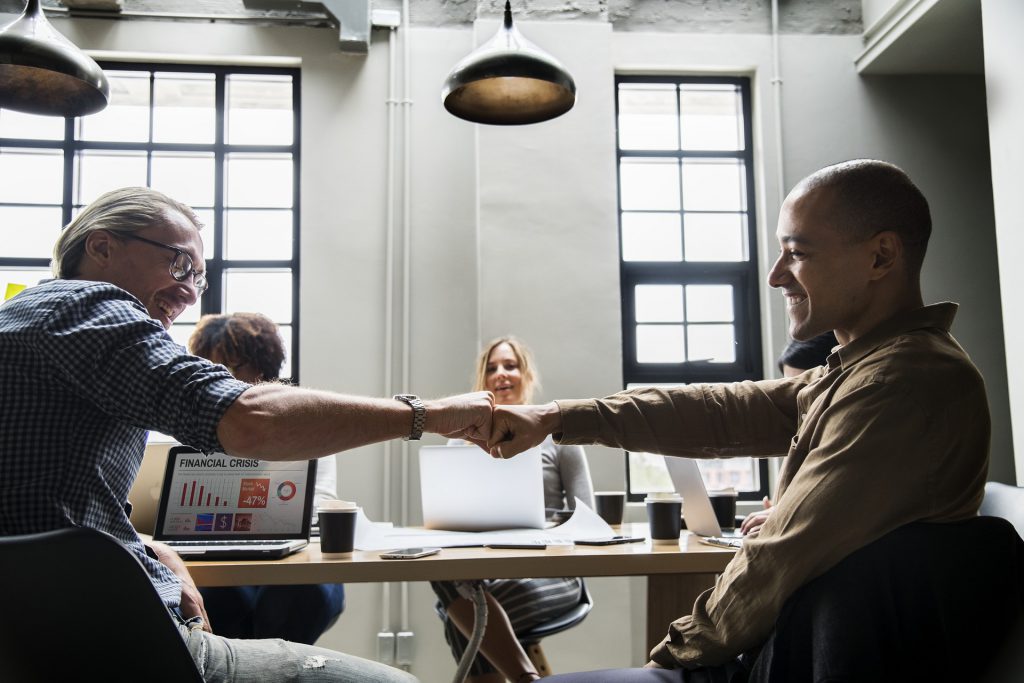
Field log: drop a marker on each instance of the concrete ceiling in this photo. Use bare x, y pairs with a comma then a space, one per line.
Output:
683, 16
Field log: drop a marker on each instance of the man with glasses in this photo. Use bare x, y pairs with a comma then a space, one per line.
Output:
86, 366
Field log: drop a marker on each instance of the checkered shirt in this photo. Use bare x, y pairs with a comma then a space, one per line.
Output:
84, 372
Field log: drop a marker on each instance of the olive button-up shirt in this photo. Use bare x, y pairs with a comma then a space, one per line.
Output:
895, 429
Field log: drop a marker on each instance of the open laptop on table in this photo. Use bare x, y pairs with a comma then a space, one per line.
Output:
697, 511
215, 507
464, 489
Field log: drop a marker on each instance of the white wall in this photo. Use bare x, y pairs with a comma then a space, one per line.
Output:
1002, 21
514, 230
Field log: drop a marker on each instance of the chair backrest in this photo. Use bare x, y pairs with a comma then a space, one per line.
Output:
79, 606
1002, 500
563, 621
905, 608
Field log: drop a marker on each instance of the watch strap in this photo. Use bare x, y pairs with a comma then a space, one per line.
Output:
419, 414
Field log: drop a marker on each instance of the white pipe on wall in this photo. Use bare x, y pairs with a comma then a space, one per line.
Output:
406, 272
389, 293
777, 102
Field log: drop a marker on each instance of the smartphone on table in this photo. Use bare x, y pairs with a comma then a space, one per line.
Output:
610, 540
408, 553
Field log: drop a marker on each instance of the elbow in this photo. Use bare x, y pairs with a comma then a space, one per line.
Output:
239, 430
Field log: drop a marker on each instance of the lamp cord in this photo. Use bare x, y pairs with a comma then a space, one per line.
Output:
475, 590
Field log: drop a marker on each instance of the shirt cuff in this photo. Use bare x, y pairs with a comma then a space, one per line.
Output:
580, 421
662, 656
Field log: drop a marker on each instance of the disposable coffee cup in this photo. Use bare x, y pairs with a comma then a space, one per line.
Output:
337, 528
610, 506
724, 504
664, 514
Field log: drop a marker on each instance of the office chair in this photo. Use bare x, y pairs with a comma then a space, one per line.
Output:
530, 640
1002, 500
926, 602
79, 606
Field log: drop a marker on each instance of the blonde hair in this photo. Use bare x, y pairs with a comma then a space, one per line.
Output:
531, 378
125, 210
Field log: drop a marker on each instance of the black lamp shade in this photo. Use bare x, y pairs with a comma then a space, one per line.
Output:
508, 81
42, 72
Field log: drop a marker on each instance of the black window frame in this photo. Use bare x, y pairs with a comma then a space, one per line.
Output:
216, 266
742, 275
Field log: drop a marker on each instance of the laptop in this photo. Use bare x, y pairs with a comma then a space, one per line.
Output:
697, 511
145, 492
215, 507
464, 489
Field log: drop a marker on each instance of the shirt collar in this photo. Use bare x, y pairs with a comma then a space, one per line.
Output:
938, 316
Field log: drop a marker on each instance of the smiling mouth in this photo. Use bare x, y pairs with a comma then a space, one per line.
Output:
168, 312
795, 299
504, 387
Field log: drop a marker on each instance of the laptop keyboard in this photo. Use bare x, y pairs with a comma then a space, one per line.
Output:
214, 544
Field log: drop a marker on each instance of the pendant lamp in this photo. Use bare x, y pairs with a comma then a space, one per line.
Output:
42, 72
508, 81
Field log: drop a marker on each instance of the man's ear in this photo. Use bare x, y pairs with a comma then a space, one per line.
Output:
99, 248
887, 250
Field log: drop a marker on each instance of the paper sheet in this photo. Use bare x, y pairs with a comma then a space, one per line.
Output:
584, 523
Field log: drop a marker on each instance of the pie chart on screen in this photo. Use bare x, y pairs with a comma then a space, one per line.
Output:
286, 490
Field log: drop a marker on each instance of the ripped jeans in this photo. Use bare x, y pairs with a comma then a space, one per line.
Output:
227, 660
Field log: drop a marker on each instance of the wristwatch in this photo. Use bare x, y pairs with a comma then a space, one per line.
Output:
419, 414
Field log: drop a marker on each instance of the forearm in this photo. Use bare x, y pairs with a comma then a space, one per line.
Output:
710, 420
279, 422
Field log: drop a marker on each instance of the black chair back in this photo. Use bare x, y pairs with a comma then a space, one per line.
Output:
927, 602
1003, 500
78, 606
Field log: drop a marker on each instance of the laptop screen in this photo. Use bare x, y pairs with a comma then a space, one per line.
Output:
464, 489
223, 497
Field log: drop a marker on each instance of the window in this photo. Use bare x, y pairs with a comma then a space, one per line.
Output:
224, 140
690, 309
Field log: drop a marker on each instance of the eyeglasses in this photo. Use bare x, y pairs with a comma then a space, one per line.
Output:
181, 265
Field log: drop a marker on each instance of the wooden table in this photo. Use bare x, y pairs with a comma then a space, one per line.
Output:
676, 574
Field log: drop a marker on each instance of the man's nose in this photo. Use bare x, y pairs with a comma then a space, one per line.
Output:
779, 274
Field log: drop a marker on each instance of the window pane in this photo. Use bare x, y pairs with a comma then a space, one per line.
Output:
205, 217
715, 236
15, 124
258, 234
181, 332
709, 303
716, 343
259, 180
259, 110
100, 172
31, 176
660, 344
286, 337
29, 231
711, 117
651, 237
647, 116
740, 474
713, 185
659, 303
184, 109
29, 277
190, 314
126, 118
648, 473
261, 291
651, 184
187, 177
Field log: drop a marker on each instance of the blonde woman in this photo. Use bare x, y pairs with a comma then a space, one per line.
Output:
506, 369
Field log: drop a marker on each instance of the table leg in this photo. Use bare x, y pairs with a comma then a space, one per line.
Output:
670, 596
